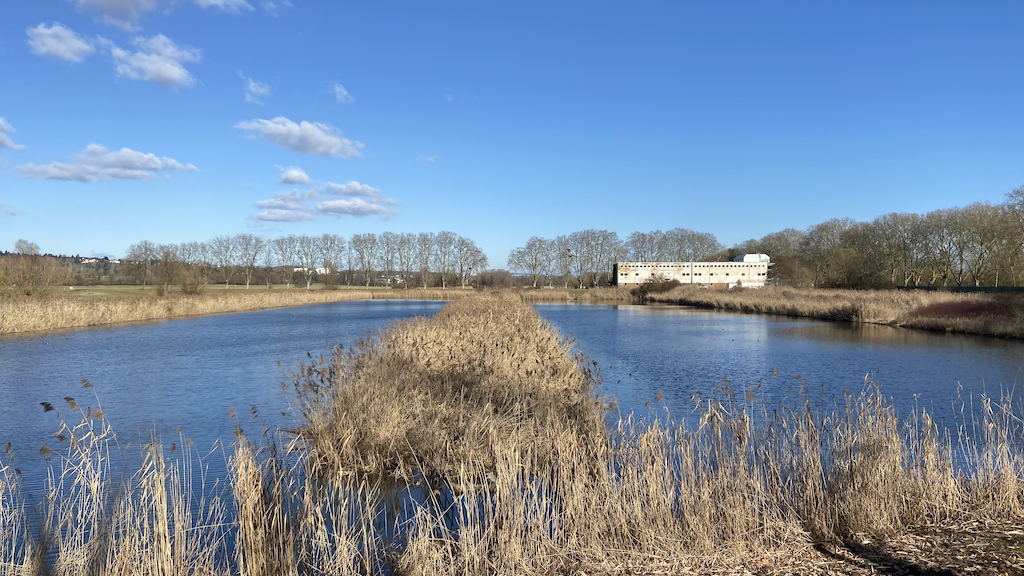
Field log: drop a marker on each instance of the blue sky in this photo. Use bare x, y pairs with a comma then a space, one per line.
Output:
181, 120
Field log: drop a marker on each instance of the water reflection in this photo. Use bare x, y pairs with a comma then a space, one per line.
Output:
690, 353
154, 378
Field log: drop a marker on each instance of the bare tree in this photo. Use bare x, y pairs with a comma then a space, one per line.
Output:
562, 256
333, 247
269, 257
33, 274
286, 248
425, 255
469, 258
532, 259
365, 248
169, 266
645, 246
249, 247
140, 259
224, 251
26, 248
388, 249
309, 252
444, 254
406, 253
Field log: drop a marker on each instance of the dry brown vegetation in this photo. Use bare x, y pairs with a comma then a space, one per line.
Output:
969, 313
485, 420
22, 314
55, 313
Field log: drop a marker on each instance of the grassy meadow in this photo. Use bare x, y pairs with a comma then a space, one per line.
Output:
485, 423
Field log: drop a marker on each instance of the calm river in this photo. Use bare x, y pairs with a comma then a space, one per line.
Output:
154, 378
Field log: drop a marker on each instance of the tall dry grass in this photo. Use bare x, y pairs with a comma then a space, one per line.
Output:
485, 420
54, 313
965, 313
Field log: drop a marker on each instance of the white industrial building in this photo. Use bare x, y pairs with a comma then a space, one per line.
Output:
748, 271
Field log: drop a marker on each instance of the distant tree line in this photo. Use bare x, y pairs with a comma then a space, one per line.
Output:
426, 259
585, 258
977, 245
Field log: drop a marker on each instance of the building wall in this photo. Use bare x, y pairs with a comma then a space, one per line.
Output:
748, 274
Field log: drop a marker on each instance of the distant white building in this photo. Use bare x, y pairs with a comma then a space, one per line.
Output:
748, 271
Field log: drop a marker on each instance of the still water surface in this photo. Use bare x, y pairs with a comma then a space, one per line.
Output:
154, 378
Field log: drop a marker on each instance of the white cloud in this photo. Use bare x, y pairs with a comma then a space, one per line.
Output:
5, 136
254, 90
294, 175
8, 210
97, 164
431, 159
310, 137
121, 13
290, 200
341, 94
353, 207
57, 41
275, 215
271, 6
157, 60
449, 98
352, 188
299, 205
232, 6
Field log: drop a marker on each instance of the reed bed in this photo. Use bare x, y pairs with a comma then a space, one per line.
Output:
33, 314
613, 294
965, 313
486, 421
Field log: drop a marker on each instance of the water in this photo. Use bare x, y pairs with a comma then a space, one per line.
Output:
685, 353
153, 378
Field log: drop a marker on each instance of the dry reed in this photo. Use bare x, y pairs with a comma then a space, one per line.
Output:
967, 313
54, 313
492, 414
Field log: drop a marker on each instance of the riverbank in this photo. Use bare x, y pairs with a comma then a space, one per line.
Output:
35, 314
962, 313
103, 306
479, 426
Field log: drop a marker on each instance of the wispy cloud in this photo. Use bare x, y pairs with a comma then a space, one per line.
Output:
8, 210
341, 94
300, 205
97, 164
158, 59
352, 188
232, 6
291, 206
430, 159
354, 207
294, 175
314, 138
58, 41
254, 90
5, 136
272, 6
275, 215
124, 14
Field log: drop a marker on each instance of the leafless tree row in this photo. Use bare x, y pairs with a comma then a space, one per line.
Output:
586, 257
389, 259
977, 245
